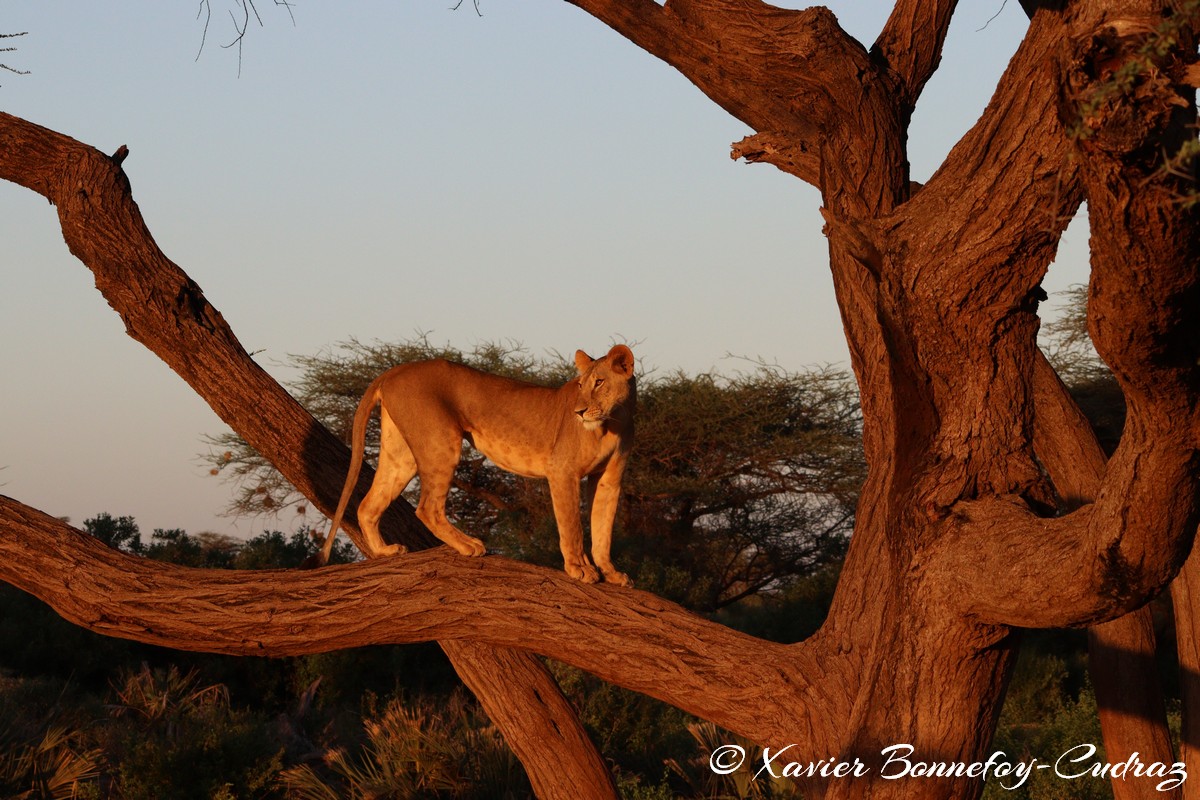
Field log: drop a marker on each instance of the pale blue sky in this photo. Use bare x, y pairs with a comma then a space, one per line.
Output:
383, 168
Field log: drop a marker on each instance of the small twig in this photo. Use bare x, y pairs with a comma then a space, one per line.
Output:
992, 18
240, 27
205, 6
6, 67
458, 5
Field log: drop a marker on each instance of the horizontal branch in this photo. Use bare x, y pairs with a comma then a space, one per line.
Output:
1118, 550
628, 637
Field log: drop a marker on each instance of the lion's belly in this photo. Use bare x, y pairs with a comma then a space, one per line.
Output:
514, 457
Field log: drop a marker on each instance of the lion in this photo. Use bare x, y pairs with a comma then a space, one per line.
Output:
583, 429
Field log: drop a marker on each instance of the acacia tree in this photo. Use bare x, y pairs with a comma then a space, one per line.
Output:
986, 508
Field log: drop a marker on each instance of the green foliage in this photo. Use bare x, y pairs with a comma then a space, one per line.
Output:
212, 550
790, 615
1064, 723
1147, 72
119, 533
631, 787
1135, 72
741, 484
51, 768
637, 732
272, 550
42, 752
268, 550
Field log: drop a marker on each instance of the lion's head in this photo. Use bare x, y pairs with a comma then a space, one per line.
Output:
605, 384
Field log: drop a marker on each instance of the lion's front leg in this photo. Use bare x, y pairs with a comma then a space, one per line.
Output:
564, 492
604, 491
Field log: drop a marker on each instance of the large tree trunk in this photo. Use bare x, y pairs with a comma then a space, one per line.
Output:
959, 539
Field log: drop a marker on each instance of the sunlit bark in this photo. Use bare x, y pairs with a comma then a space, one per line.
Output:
956, 539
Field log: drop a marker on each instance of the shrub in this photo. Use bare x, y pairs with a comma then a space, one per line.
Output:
416, 751
170, 736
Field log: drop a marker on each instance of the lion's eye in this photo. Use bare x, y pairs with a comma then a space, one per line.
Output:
598, 383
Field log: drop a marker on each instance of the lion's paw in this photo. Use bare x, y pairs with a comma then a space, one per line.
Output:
470, 547
583, 572
390, 550
618, 578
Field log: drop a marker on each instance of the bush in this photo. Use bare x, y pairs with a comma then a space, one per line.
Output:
416, 750
172, 737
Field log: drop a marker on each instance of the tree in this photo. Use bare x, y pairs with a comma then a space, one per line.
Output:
977, 517
120, 533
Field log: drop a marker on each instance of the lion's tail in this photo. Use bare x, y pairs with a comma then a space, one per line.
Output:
358, 439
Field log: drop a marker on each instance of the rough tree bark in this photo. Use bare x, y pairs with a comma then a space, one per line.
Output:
1121, 653
964, 532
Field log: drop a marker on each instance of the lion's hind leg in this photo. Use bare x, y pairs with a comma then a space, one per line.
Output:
397, 466
437, 462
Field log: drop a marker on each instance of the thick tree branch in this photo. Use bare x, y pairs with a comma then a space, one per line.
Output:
1121, 653
928, 366
910, 43
1014, 165
769, 67
1141, 310
165, 310
628, 637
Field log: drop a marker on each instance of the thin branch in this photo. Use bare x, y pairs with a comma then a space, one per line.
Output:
6, 67
240, 28
206, 9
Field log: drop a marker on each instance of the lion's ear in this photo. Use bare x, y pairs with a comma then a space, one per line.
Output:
582, 361
621, 358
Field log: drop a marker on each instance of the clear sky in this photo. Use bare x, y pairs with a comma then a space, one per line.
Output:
383, 168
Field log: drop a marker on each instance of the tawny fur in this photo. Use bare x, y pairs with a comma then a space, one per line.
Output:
583, 429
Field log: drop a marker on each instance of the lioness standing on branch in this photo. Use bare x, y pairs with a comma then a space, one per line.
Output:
583, 429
